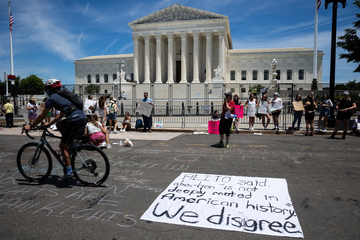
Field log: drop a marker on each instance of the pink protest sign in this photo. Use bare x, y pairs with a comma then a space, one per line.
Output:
213, 127
239, 111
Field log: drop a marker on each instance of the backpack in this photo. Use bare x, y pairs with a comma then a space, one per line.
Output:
72, 97
138, 124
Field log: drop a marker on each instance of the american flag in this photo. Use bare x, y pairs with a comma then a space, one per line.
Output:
11, 20
319, 3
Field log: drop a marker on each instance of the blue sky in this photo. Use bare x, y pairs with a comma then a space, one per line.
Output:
49, 36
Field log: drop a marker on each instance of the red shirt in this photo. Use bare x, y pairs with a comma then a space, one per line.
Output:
231, 105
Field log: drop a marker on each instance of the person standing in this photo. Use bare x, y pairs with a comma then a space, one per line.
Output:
297, 113
251, 104
112, 108
147, 119
225, 123
310, 109
276, 113
345, 108
100, 109
32, 110
326, 104
9, 114
238, 102
264, 101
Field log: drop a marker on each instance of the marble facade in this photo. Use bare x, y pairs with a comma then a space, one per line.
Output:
176, 50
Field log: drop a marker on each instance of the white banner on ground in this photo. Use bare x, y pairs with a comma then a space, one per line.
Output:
244, 204
144, 108
276, 105
263, 107
87, 105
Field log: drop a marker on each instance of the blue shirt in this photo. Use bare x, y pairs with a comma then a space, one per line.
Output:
148, 100
61, 104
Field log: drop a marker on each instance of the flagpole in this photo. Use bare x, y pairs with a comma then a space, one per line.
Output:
11, 48
315, 43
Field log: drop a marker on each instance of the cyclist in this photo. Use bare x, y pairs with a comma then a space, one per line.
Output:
72, 126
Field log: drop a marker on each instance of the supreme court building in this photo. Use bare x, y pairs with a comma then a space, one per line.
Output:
176, 50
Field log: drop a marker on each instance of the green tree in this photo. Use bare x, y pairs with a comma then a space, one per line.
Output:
350, 42
91, 89
256, 88
32, 85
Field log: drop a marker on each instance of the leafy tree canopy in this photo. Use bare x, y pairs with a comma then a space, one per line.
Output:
91, 89
32, 85
350, 42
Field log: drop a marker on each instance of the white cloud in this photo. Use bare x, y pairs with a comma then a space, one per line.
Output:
122, 50
86, 8
112, 43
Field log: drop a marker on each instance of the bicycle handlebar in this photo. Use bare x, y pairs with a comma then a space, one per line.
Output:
36, 128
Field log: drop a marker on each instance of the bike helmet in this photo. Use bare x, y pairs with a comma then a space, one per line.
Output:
53, 83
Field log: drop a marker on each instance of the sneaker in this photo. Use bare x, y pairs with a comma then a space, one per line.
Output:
103, 144
324, 130
66, 177
108, 146
111, 132
311, 135
265, 128
124, 130
331, 137
237, 130
343, 137
249, 128
306, 134
115, 132
226, 145
219, 144
318, 130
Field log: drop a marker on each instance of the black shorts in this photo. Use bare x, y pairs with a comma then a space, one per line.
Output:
225, 126
72, 129
344, 116
309, 116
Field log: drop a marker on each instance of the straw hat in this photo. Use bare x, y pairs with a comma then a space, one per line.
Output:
33, 99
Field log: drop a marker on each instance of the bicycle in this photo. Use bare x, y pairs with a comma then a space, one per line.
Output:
89, 163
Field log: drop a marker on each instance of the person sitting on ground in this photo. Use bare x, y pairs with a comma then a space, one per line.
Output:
356, 130
215, 117
96, 132
126, 123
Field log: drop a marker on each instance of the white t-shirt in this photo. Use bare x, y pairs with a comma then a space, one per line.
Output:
98, 110
33, 110
92, 128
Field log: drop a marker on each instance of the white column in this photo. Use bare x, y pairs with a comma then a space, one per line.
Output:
170, 58
222, 51
136, 58
196, 57
208, 56
147, 58
158, 58
183, 57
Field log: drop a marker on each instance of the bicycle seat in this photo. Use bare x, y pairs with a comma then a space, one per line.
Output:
83, 138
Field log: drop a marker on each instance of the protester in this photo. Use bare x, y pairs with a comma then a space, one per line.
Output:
276, 98
48, 115
215, 117
251, 102
126, 122
346, 106
264, 100
225, 124
96, 132
297, 114
9, 114
112, 110
100, 109
310, 109
237, 101
147, 120
32, 110
326, 104
355, 129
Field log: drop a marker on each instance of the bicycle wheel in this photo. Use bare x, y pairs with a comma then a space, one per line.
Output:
37, 169
90, 165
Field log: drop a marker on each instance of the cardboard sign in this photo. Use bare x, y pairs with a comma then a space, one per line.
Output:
239, 111
275, 105
144, 108
87, 105
298, 106
233, 203
263, 107
251, 111
159, 124
358, 126
213, 127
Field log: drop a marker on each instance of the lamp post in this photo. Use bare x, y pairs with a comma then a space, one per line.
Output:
121, 65
331, 121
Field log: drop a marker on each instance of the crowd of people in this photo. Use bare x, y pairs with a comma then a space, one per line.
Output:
346, 107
